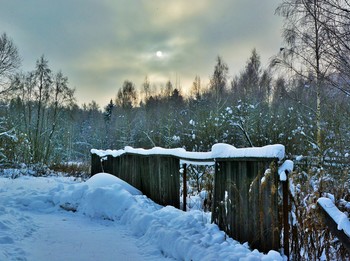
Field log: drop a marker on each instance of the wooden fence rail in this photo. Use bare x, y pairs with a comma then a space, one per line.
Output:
246, 204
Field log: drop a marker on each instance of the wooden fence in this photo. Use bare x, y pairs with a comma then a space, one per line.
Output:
157, 176
246, 204
246, 201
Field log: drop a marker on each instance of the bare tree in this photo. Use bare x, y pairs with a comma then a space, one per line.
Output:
44, 84
9, 62
336, 20
62, 96
42, 100
146, 85
305, 54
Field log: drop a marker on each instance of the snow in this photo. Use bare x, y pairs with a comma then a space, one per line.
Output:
105, 179
287, 167
299, 158
197, 163
219, 150
222, 150
263, 179
109, 220
339, 217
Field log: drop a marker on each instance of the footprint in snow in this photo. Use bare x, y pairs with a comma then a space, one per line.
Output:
6, 240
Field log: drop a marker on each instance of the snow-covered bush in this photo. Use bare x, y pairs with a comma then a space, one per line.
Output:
309, 237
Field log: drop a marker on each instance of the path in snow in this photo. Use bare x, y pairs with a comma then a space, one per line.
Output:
68, 236
54, 234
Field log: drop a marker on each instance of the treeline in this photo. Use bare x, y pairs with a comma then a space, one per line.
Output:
252, 109
44, 124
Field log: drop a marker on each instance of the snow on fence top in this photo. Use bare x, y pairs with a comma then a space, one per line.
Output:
287, 167
218, 151
339, 217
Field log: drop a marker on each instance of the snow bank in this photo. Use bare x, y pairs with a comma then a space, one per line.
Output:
174, 233
105, 179
102, 196
187, 235
220, 150
339, 217
180, 235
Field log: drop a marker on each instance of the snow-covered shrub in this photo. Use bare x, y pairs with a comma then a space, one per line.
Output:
309, 237
75, 169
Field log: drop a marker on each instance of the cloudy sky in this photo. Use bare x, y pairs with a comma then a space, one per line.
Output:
100, 43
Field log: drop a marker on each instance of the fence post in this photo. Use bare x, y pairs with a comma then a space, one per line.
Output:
285, 216
184, 166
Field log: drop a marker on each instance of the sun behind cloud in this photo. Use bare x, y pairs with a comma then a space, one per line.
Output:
159, 54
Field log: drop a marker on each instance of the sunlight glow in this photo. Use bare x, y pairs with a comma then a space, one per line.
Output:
159, 54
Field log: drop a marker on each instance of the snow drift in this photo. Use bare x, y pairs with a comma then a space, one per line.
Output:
175, 234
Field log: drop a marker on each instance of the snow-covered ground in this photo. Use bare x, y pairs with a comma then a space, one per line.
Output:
108, 220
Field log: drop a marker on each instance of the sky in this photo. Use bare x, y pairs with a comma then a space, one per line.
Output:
98, 44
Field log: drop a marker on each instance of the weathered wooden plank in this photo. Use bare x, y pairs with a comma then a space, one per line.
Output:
285, 213
95, 164
269, 210
253, 195
250, 210
218, 210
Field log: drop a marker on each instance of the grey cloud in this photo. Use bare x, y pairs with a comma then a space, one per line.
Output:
99, 44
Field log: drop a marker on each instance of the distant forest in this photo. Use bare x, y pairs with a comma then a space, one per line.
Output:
300, 100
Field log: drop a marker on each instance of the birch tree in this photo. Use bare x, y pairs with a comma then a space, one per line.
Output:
305, 37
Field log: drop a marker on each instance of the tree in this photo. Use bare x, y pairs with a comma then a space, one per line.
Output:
168, 90
250, 77
125, 101
126, 96
43, 79
196, 88
218, 89
37, 110
336, 21
109, 123
146, 85
63, 96
253, 83
9, 62
306, 38
218, 80
107, 114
